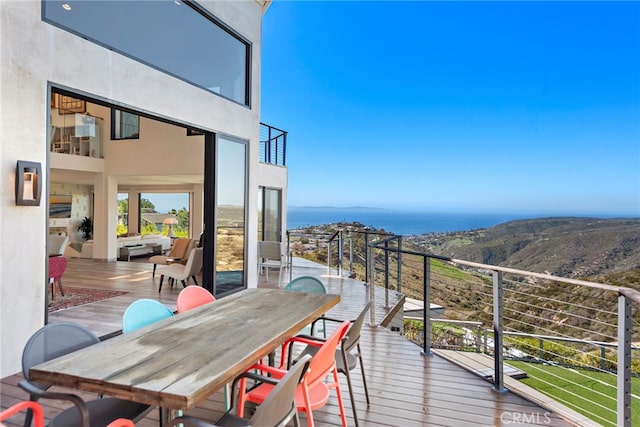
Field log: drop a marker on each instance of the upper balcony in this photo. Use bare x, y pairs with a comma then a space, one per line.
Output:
273, 145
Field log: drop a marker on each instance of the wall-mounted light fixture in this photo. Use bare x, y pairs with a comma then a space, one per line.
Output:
28, 183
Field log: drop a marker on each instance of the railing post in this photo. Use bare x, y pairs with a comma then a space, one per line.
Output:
366, 251
386, 274
399, 285
350, 254
541, 348
498, 381
478, 338
290, 255
340, 252
284, 150
372, 287
329, 258
625, 323
267, 148
426, 306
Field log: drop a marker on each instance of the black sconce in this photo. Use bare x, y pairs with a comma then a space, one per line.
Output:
28, 183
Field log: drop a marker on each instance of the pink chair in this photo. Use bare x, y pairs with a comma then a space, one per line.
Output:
121, 422
57, 266
192, 297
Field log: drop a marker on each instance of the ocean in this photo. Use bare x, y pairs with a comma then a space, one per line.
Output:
401, 222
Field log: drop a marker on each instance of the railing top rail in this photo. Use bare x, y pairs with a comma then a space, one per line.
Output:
273, 127
631, 294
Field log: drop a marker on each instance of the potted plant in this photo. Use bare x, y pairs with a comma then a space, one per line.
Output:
86, 228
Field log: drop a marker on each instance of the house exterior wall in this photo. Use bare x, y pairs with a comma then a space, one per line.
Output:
34, 54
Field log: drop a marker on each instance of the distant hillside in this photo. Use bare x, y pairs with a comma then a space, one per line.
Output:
568, 247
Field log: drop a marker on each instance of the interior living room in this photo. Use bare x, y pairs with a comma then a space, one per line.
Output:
90, 140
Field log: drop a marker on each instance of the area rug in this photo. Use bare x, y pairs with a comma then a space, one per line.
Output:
78, 296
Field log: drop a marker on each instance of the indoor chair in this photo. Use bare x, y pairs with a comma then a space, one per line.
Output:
181, 272
179, 251
54, 340
313, 391
276, 410
143, 312
57, 267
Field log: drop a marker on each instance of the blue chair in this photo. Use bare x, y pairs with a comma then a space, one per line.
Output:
311, 285
143, 312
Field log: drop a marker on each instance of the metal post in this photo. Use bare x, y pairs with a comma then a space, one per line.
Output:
372, 287
498, 379
541, 348
366, 251
340, 252
350, 254
399, 285
603, 358
386, 274
329, 258
426, 306
625, 323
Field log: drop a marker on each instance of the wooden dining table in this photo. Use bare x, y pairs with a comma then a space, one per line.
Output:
180, 361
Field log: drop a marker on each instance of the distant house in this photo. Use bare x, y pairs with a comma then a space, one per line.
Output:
154, 218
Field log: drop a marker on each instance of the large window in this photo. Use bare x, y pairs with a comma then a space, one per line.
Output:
177, 37
155, 208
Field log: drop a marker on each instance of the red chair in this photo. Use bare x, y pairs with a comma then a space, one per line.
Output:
121, 422
36, 410
313, 391
57, 266
192, 297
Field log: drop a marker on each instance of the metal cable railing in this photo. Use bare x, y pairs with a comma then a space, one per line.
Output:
572, 338
273, 145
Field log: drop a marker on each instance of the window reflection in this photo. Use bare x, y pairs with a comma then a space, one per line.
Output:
169, 35
230, 214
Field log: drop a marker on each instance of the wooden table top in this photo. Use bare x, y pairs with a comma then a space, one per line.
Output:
177, 362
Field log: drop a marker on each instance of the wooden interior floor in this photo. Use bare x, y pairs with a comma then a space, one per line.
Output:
406, 388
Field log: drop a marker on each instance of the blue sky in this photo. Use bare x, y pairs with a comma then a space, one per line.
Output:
456, 106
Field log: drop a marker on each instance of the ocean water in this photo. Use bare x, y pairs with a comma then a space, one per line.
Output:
400, 222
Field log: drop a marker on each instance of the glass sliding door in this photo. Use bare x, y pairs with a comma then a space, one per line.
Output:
270, 216
230, 212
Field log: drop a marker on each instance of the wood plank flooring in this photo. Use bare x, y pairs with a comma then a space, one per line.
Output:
406, 388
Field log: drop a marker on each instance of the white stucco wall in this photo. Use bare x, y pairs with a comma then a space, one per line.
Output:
32, 54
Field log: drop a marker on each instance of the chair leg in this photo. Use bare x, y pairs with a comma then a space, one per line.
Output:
60, 287
336, 380
161, 279
154, 270
195, 280
364, 380
353, 400
184, 283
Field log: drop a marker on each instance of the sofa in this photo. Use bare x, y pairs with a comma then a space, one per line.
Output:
150, 242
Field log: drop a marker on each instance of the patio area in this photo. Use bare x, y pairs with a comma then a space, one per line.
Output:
406, 388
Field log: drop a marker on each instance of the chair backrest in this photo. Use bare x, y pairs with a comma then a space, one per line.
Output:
270, 250
38, 413
54, 340
353, 334
143, 312
57, 243
180, 248
306, 284
57, 266
194, 262
280, 403
325, 358
192, 297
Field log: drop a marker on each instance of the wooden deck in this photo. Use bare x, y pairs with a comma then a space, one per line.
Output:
406, 388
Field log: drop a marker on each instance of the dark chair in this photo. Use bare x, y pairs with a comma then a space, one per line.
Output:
276, 410
346, 358
57, 267
57, 339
